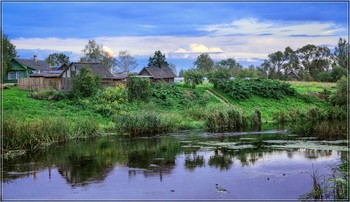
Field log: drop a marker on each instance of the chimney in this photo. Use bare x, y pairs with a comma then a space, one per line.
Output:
35, 58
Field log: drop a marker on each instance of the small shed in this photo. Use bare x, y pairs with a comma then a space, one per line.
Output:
158, 74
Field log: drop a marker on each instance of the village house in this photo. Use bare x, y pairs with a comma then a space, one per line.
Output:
97, 69
158, 74
23, 68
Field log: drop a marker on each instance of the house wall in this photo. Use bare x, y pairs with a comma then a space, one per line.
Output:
17, 71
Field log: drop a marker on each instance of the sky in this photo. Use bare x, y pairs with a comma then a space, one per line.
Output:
245, 31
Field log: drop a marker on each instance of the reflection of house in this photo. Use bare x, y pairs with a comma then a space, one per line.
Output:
97, 69
22, 68
158, 74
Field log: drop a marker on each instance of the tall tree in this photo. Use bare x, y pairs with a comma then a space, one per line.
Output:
232, 65
204, 63
8, 52
314, 59
125, 62
57, 59
94, 52
158, 60
342, 53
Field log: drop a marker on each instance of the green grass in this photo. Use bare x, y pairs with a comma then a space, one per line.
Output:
312, 87
22, 111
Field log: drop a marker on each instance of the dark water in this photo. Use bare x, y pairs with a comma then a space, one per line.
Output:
176, 166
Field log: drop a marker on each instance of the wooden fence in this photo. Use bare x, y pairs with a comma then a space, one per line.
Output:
37, 83
60, 84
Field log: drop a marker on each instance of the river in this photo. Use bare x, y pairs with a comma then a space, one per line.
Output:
183, 165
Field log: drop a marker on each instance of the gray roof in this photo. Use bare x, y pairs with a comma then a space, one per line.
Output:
98, 69
38, 65
120, 75
160, 73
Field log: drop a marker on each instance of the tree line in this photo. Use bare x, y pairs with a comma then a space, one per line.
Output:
308, 63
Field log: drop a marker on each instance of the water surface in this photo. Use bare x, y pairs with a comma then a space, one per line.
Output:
272, 165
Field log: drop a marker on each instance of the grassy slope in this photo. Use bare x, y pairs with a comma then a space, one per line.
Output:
270, 106
16, 103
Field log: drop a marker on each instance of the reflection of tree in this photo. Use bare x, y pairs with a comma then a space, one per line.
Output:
82, 170
220, 160
193, 161
314, 154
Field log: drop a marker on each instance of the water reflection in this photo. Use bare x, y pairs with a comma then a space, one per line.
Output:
85, 162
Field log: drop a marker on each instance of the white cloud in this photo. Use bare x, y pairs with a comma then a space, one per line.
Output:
251, 26
245, 39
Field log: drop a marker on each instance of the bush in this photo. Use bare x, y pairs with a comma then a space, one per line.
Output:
85, 84
193, 77
139, 89
46, 94
220, 75
242, 89
341, 95
110, 100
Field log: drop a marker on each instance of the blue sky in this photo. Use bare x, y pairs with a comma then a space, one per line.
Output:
247, 32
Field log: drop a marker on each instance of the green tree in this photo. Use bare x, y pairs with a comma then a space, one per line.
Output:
220, 75
204, 63
94, 52
158, 60
139, 89
85, 84
341, 95
57, 59
232, 65
193, 77
125, 62
342, 53
8, 52
337, 73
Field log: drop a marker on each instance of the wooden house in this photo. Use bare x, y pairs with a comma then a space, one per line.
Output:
158, 74
22, 68
97, 69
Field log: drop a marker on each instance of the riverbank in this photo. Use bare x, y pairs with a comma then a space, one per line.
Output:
30, 123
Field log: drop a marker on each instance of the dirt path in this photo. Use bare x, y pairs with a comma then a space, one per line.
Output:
221, 99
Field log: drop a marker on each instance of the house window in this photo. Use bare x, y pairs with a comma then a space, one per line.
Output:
10, 76
18, 75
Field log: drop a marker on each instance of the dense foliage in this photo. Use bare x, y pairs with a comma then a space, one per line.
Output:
193, 77
168, 95
139, 89
158, 60
220, 75
341, 95
85, 84
8, 52
57, 59
242, 89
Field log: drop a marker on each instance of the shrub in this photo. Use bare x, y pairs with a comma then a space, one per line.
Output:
85, 84
193, 77
220, 75
242, 89
45, 94
110, 100
341, 95
139, 89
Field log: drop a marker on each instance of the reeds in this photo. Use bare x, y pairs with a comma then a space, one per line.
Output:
20, 133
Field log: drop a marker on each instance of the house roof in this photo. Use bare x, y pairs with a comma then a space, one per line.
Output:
159, 73
120, 75
37, 65
49, 73
98, 69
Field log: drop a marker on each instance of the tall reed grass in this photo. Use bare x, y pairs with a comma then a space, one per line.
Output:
21, 133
